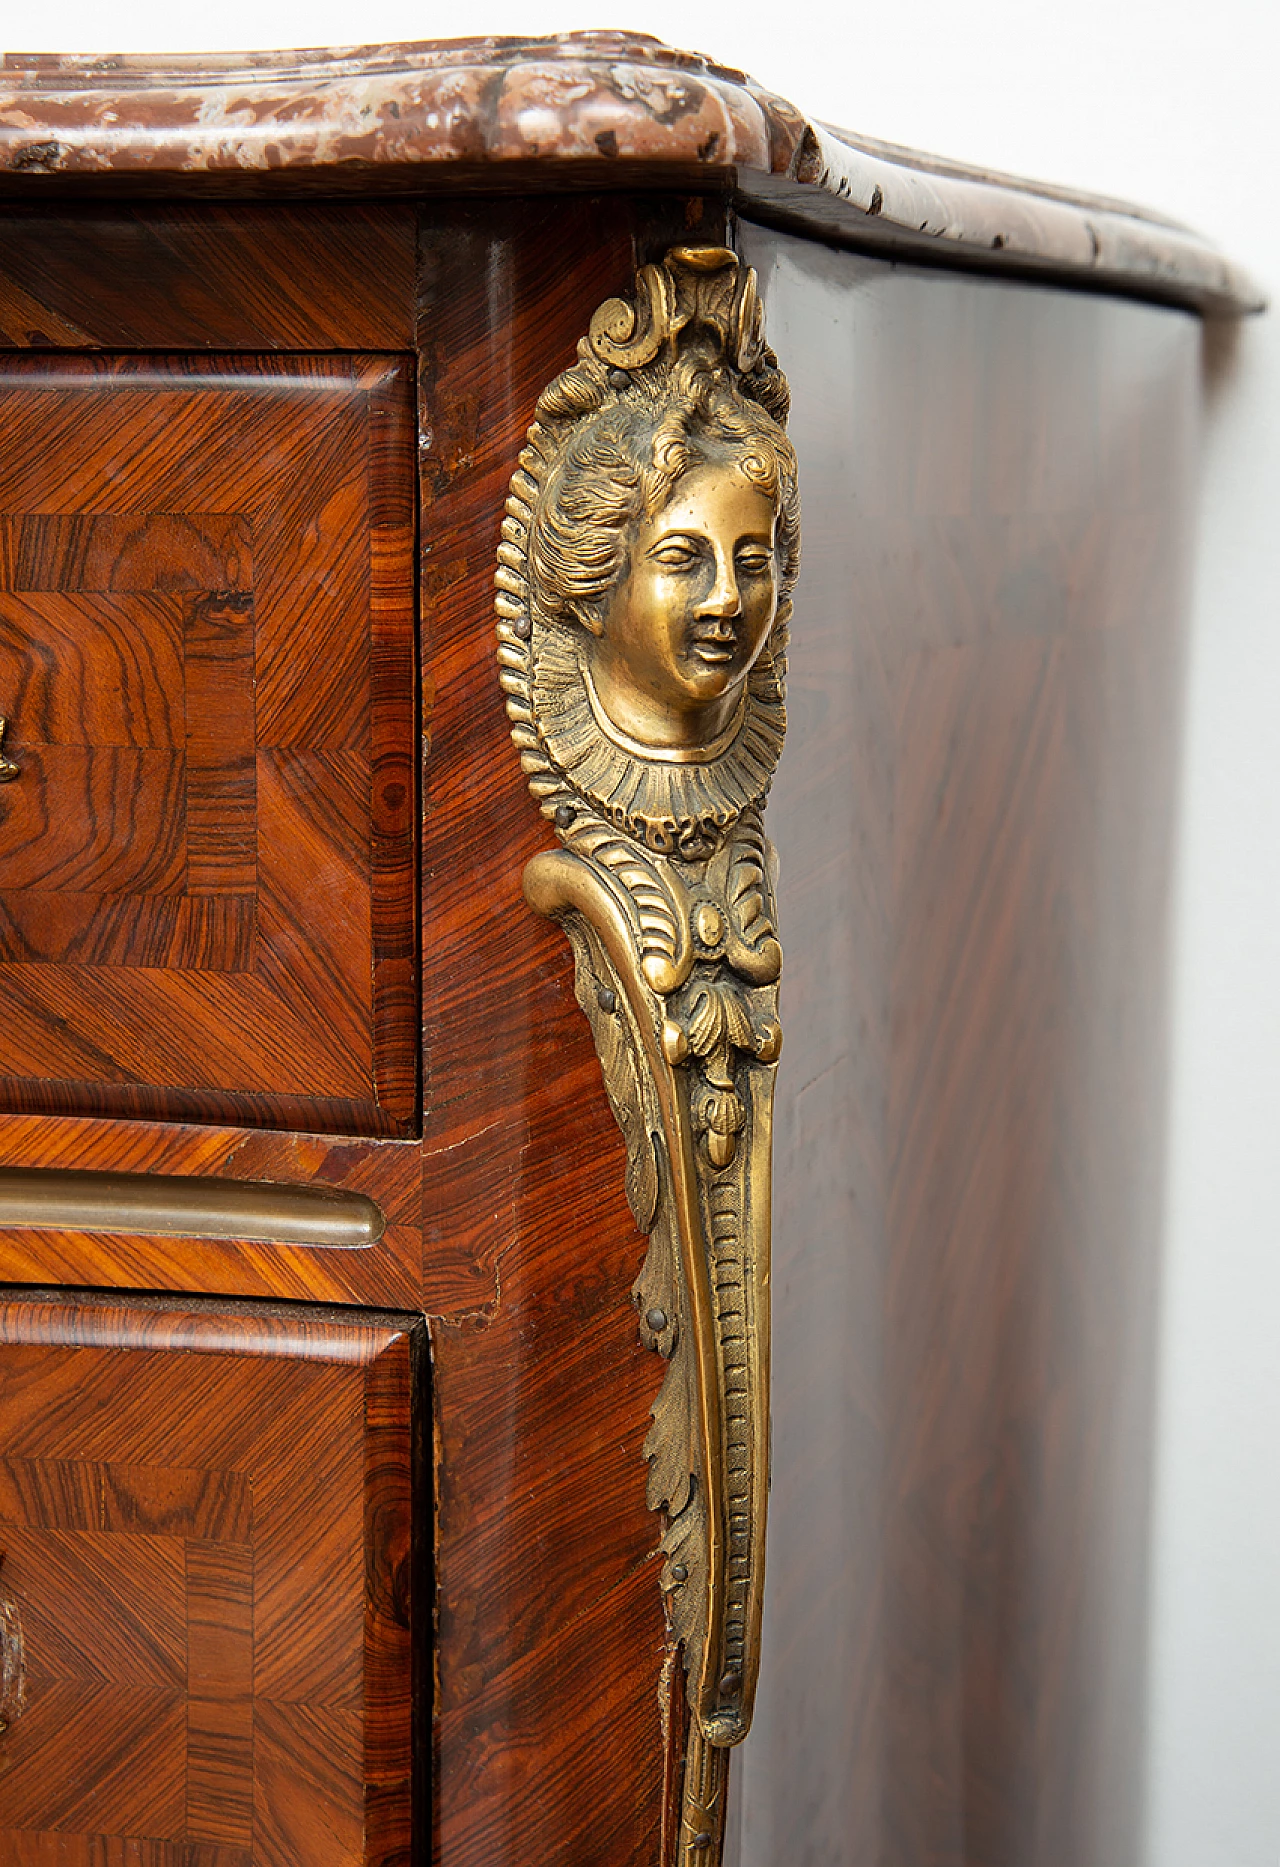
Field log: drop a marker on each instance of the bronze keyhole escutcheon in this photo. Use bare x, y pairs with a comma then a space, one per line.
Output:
8, 770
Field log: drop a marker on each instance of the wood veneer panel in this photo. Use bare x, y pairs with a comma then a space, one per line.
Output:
207, 1519
206, 659
974, 820
550, 1744
328, 276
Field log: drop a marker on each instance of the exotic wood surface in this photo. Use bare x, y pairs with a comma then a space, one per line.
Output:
550, 1740
206, 860
974, 825
209, 1571
181, 276
986, 642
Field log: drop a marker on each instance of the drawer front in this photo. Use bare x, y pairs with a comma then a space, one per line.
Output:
206, 668
206, 1591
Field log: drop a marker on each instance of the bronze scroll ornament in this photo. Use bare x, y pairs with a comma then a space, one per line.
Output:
648, 553
8, 770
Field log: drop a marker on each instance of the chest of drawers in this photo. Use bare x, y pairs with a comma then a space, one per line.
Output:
323, 1406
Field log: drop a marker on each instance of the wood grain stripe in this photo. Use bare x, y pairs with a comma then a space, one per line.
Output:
308, 1801
27, 1849
207, 869
83, 669
222, 795
129, 1743
104, 820
160, 551
163, 932
394, 778
251, 276
220, 1643
158, 1500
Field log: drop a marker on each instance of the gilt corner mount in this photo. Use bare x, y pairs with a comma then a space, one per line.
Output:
649, 550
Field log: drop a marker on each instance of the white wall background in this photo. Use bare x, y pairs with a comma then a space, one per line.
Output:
1173, 104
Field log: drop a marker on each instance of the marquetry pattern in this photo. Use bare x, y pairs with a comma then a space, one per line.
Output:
207, 1585
206, 859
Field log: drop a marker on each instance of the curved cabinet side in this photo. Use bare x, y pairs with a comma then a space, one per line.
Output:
974, 821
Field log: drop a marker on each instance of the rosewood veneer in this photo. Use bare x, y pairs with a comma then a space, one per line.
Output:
322, 1400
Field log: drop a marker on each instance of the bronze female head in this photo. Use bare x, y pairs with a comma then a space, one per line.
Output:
652, 545
668, 533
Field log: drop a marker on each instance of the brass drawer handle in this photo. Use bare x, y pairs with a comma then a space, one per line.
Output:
8, 770
175, 1206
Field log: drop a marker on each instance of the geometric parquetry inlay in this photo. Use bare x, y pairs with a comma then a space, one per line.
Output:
206, 862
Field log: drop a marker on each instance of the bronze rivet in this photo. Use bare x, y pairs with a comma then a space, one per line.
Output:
679, 1572
607, 1000
657, 1320
619, 380
708, 924
675, 1045
701, 1841
730, 1684
523, 627
565, 814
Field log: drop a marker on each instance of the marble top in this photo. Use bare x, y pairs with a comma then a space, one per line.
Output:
597, 108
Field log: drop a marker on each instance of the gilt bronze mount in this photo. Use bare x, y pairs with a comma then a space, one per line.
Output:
649, 549
8, 770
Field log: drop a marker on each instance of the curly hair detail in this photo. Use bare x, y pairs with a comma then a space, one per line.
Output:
624, 457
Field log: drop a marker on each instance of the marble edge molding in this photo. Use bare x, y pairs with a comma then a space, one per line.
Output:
579, 104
